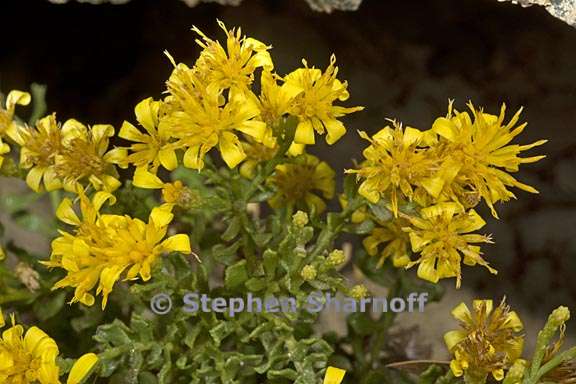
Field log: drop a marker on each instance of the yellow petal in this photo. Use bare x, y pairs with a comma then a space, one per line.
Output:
334, 375
82, 368
144, 179
427, 271
38, 342
2, 321
445, 128
256, 129
34, 178
66, 214
456, 368
117, 156
146, 114
51, 180
101, 132
335, 130
231, 149
168, 158
17, 97
177, 243
193, 158
304, 133
161, 217
461, 312
130, 132
411, 136
453, 337
514, 322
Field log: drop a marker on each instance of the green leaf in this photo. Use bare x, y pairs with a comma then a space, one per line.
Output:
225, 255
380, 212
256, 284
232, 230
115, 334
236, 275
221, 331
49, 306
270, 263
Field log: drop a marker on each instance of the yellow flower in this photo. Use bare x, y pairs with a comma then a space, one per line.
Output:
152, 148
314, 104
480, 156
83, 158
8, 127
29, 357
234, 66
394, 165
201, 119
334, 375
488, 341
397, 243
39, 147
296, 182
441, 236
104, 248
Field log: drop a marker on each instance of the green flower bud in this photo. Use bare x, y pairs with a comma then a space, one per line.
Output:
308, 273
336, 257
300, 219
358, 292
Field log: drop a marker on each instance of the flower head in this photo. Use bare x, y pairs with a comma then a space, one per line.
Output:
83, 159
488, 341
104, 248
154, 146
39, 147
297, 183
480, 157
442, 237
394, 165
201, 119
231, 67
397, 243
29, 357
313, 104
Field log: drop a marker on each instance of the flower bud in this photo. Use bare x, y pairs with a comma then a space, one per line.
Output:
336, 257
300, 219
308, 273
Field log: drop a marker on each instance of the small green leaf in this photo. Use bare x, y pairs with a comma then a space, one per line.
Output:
236, 275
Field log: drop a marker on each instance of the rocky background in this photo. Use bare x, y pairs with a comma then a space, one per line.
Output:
403, 60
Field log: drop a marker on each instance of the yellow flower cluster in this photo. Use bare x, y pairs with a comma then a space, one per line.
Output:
30, 357
212, 104
488, 342
70, 156
444, 172
104, 247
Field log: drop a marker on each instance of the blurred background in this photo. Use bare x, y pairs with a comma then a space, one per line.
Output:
402, 59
